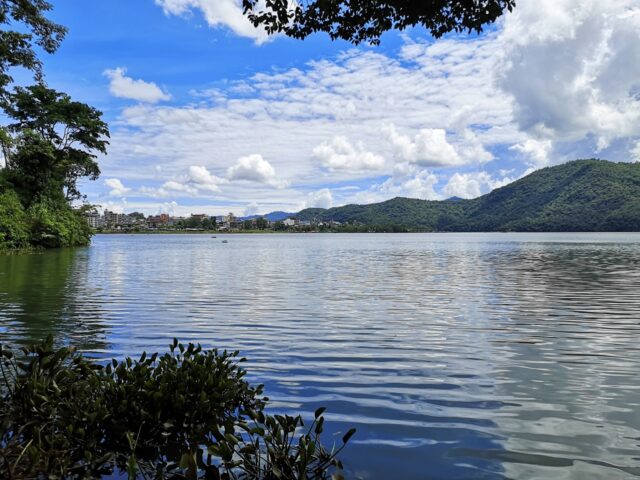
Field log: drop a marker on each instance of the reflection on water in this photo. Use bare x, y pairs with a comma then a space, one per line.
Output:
39, 296
455, 356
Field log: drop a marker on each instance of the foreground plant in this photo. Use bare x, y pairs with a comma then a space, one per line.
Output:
188, 413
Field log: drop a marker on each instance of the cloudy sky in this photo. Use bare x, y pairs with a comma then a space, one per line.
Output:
209, 115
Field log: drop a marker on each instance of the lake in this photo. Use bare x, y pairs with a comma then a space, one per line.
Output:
456, 356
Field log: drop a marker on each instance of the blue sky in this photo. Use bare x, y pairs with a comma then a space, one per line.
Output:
209, 115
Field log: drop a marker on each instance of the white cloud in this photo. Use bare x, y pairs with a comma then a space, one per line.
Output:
251, 209
203, 179
635, 152
553, 77
428, 148
340, 154
407, 181
174, 186
319, 199
126, 87
536, 151
168, 207
572, 68
254, 168
145, 191
117, 207
217, 13
116, 186
472, 185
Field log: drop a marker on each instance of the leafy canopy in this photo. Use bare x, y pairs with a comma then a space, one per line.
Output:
366, 20
17, 45
54, 144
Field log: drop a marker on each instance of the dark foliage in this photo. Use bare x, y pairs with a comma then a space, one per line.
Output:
186, 414
584, 195
365, 20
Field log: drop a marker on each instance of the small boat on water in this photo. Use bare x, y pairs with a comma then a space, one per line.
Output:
225, 241
214, 236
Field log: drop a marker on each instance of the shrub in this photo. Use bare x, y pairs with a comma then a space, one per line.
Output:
14, 227
56, 224
186, 414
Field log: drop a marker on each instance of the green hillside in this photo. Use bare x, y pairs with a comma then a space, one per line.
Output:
583, 195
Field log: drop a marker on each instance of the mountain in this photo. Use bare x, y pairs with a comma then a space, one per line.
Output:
272, 217
583, 195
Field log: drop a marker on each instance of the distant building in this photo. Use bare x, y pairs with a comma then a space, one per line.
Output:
291, 222
94, 219
113, 219
158, 221
230, 222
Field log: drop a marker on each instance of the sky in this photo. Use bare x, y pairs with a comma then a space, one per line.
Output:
209, 115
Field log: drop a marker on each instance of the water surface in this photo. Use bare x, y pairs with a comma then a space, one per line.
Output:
455, 355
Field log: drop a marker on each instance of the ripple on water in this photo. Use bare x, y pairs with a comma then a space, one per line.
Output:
455, 356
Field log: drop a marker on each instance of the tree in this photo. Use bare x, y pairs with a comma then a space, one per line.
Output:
193, 222
32, 28
262, 223
55, 142
366, 20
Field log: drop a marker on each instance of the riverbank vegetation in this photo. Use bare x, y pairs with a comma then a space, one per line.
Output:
49, 142
186, 414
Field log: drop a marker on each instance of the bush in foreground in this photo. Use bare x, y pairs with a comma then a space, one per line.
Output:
186, 414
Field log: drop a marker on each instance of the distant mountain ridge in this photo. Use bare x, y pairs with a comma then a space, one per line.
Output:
582, 195
272, 217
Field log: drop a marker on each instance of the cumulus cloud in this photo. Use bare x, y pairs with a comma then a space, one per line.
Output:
251, 209
169, 208
572, 68
126, 87
536, 151
406, 181
428, 148
227, 13
116, 186
320, 199
174, 186
197, 180
203, 179
340, 154
117, 207
635, 152
254, 168
553, 76
472, 185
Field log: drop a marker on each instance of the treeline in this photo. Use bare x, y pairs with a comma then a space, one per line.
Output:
49, 142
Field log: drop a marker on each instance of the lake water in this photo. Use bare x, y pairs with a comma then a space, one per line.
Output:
455, 356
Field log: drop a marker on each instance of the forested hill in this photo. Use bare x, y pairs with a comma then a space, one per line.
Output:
583, 195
